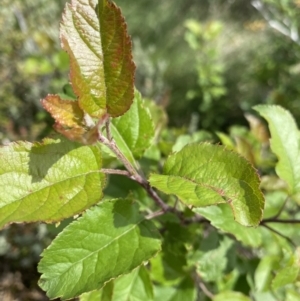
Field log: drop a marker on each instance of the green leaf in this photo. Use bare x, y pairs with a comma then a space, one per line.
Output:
289, 273
158, 115
169, 266
107, 291
134, 131
122, 187
285, 143
204, 174
226, 140
286, 276
183, 140
221, 217
292, 295
211, 264
92, 296
232, 296
109, 240
135, 286
263, 273
164, 270
102, 71
265, 296
48, 181
185, 291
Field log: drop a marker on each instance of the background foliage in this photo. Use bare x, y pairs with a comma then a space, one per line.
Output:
207, 63
198, 59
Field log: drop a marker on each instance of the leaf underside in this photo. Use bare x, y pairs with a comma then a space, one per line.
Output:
205, 174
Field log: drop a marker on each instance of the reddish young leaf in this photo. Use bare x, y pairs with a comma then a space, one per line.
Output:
102, 71
70, 120
65, 112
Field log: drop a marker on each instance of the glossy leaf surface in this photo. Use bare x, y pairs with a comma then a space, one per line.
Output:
285, 143
109, 240
48, 181
204, 174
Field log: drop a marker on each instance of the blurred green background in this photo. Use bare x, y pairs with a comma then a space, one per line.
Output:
206, 61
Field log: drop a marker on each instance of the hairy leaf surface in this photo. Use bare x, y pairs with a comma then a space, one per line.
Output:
285, 143
48, 181
70, 120
102, 71
109, 240
204, 174
66, 112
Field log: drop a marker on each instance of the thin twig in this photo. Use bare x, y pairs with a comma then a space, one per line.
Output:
280, 221
282, 207
152, 193
134, 174
113, 147
280, 234
206, 291
279, 212
203, 287
108, 131
155, 214
116, 172
197, 219
176, 203
275, 219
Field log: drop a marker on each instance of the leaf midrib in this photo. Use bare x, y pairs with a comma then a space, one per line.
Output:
41, 189
99, 249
